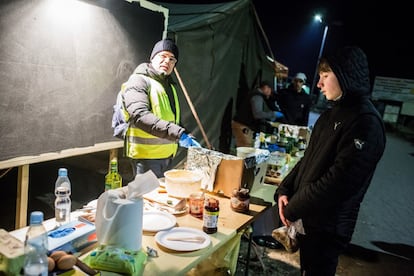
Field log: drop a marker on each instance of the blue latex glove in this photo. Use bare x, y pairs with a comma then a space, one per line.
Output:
187, 140
279, 114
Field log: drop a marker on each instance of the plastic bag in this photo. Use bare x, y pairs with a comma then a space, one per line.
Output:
286, 235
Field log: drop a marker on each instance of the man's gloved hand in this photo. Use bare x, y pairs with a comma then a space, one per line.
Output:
187, 140
279, 114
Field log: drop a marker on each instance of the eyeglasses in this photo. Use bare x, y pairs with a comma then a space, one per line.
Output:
171, 59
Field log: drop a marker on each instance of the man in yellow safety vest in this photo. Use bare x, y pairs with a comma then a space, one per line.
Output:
151, 101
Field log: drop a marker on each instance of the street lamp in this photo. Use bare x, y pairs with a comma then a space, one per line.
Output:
325, 32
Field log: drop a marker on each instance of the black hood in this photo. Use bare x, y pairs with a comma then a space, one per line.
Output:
350, 66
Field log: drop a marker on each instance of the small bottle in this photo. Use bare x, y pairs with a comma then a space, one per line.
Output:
262, 139
301, 143
210, 215
275, 135
36, 247
113, 179
282, 135
63, 202
257, 140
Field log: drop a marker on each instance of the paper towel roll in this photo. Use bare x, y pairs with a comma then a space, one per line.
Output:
119, 221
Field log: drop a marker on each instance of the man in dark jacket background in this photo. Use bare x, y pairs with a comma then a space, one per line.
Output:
325, 189
254, 115
294, 102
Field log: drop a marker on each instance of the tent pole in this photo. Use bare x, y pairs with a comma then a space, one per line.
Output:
190, 103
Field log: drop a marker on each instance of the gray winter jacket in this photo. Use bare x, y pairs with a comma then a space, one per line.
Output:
325, 189
138, 105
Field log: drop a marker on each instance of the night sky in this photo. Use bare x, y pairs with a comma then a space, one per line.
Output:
383, 31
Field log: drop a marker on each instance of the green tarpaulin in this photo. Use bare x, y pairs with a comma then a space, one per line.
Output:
222, 57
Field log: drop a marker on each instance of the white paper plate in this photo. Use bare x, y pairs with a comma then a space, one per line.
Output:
92, 203
162, 238
153, 221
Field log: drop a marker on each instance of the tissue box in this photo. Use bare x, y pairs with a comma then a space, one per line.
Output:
73, 236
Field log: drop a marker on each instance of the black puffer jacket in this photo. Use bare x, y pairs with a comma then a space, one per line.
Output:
325, 189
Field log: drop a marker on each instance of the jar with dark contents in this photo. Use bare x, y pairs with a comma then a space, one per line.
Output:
210, 215
239, 200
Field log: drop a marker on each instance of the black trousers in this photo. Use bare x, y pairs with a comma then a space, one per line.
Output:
158, 166
319, 253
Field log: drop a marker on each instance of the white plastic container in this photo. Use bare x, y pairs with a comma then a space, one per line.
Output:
244, 152
181, 183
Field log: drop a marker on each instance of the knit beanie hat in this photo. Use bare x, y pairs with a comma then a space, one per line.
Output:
265, 83
165, 45
301, 76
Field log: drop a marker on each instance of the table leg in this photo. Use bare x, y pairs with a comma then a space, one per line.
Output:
249, 247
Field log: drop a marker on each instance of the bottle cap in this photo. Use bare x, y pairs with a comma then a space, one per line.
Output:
36, 217
63, 172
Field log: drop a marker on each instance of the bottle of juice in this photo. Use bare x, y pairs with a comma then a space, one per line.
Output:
113, 179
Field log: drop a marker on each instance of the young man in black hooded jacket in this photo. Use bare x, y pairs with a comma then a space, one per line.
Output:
325, 189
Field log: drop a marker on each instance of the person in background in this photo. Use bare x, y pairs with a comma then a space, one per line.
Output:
326, 187
294, 102
151, 100
306, 88
254, 114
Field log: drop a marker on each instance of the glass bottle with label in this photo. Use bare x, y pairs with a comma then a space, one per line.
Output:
282, 136
301, 143
210, 215
262, 139
113, 179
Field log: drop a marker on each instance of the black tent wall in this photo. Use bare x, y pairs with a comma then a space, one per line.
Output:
222, 57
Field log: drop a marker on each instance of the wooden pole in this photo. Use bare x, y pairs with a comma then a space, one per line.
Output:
22, 196
190, 103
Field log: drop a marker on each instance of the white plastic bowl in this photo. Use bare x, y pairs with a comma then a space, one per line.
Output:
245, 151
181, 183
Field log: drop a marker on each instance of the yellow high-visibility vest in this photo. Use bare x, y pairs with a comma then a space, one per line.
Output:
139, 144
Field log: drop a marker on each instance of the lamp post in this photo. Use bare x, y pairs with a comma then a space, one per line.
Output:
325, 32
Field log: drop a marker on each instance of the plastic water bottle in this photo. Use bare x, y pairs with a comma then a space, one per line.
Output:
63, 202
36, 247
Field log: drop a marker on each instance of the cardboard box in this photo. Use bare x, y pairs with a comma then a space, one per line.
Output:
223, 172
245, 173
229, 176
296, 131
